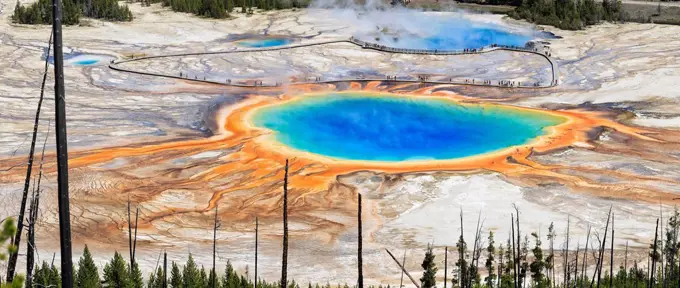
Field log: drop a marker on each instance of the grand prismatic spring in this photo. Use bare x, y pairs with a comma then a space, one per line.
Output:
408, 129
196, 115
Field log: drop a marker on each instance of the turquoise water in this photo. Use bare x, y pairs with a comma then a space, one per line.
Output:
267, 42
80, 59
431, 32
474, 37
85, 62
370, 127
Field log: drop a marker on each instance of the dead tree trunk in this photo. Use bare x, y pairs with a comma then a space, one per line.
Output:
611, 257
625, 258
215, 226
401, 282
257, 224
519, 256
284, 261
62, 150
446, 264
11, 264
653, 270
585, 258
31, 241
360, 282
461, 254
663, 260
566, 255
578, 248
165, 269
129, 233
403, 270
476, 250
601, 255
132, 259
134, 240
35, 207
514, 256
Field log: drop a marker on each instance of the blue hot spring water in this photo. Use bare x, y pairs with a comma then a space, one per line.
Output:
450, 33
80, 59
473, 38
85, 62
266, 42
378, 127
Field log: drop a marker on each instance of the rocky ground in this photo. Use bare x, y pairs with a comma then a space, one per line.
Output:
627, 72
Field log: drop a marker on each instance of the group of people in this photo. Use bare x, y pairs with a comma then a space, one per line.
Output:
391, 77
506, 83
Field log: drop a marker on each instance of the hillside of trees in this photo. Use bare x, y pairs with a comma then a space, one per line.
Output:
563, 14
568, 14
41, 12
221, 8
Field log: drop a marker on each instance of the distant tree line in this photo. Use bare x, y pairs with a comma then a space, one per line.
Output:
221, 8
568, 14
41, 12
563, 14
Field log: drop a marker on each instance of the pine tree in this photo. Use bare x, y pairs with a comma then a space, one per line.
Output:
462, 264
491, 251
175, 276
191, 276
18, 12
203, 278
116, 272
430, 273
537, 265
136, 280
88, 276
525, 265
551, 256
508, 279
46, 276
231, 279
156, 279
152, 280
229, 5
213, 280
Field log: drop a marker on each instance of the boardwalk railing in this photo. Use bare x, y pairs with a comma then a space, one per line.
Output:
116, 65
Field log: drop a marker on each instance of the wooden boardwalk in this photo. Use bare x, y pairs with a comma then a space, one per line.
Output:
365, 45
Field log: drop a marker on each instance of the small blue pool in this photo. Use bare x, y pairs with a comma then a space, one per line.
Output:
81, 59
264, 42
85, 62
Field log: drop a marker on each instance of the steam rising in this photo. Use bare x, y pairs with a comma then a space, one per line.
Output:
379, 22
